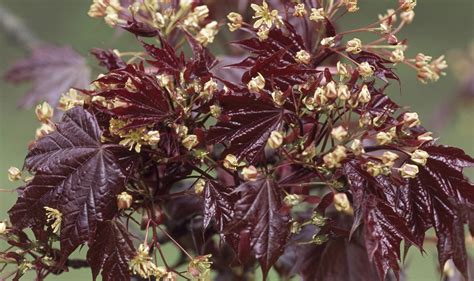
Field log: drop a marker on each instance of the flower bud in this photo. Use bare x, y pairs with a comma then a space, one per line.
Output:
364, 95
397, 56
275, 140
278, 97
339, 133
330, 90
409, 171
44, 130
124, 201
295, 227
342, 70
365, 70
300, 10
200, 267
190, 141
388, 158
44, 112
199, 186
343, 92
328, 41
303, 57
153, 137
411, 119
256, 84
341, 203
383, 138
231, 162
354, 46
235, 21
210, 87
3, 227
250, 173
374, 169
425, 137
208, 33
407, 16
14, 174
317, 15
356, 147
420, 157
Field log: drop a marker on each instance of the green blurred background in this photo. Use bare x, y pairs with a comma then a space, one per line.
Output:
439, 27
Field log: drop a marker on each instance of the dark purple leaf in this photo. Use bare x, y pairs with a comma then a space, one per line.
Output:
217, 205
259, 208
110, 252
76, 174
249, 122
108, 59
53, 71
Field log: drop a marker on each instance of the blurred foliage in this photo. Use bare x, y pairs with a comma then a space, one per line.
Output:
439, 26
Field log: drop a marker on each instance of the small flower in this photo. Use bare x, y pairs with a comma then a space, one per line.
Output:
420, 157
328, 41
354, 46
318, 219
339, 133
232, 163
199, 186
383, 138
44, 130
130, 86
3, 227
141, 264
249, 173
333, 159
365, 70
397, 56
124, 201
256, 84
411, 119
133, 139
14, 174
300, 10
317, 15
409, 171
152, 137
200, 267
278, 97
364, 95
265, 17
98, 7
291, 200
207, 34
275, 140
341, 203
190, 141
44, 112
357, 147
374, 169
181, 130
215, 110
55, 217
303, 57
70, 99
343, 92
197, 16
235, 21
295, 227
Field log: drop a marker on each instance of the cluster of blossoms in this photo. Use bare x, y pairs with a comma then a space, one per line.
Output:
290, 155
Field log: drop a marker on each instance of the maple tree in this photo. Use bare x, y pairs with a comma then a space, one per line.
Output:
289, 157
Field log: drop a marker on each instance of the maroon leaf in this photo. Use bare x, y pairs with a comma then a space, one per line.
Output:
111, 251
76, 174
166, 59
217, 205
53, 71
259, 208
148, 104
248, 126
140, 28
